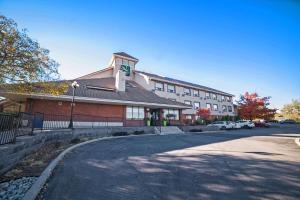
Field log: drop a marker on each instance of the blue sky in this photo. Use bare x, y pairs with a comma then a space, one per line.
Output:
230, 45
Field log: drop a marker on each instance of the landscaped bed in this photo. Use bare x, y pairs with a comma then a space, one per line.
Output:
16, 182
20, 178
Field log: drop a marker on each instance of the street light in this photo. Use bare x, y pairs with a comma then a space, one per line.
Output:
74, 86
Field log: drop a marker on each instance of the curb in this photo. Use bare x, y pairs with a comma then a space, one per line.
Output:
297, 141
35, 189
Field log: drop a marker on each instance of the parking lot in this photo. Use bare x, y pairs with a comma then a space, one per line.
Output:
262, 163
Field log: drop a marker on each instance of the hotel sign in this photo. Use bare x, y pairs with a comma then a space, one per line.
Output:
126, 69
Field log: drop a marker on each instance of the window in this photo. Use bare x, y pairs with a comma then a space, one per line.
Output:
207, 95
208, 105
159, 86
228, 99
196, 105
187, 91
188, 116
222, 98
196, 93
187, 102
215, 107
172, 99
214, 96
171, 114
224, 108
171, 88
128, 112
134, 112
229, 109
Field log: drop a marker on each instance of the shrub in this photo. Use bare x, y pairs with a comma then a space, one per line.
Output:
195, 130
75, 140
120, 133
138, 132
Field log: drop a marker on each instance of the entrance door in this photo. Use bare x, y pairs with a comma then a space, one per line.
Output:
155, 117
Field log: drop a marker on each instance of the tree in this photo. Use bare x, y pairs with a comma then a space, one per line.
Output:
251, 106
24, 65
203, 113
292, 110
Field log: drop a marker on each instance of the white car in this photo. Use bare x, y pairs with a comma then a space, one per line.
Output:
244, 124
222, 125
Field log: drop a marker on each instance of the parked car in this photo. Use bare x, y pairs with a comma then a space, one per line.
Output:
235, 125
262, 124
222, 125
287, 121
273, 121
245, 124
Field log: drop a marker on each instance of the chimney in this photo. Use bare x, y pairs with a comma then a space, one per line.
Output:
120, 81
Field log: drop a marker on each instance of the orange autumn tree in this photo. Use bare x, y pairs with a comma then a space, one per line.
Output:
251, 106
203, 113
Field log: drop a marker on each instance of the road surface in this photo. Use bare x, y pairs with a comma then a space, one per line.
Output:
239, 164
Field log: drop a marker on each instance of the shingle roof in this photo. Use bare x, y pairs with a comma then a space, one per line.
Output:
133, 92
125, 55
183, 82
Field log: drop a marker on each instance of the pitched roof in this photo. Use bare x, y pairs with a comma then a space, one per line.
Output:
176, 81
125, 55
104, 88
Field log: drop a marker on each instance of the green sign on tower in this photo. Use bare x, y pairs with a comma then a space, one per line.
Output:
126, 69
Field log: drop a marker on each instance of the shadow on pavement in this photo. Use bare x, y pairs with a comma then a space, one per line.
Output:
156, 168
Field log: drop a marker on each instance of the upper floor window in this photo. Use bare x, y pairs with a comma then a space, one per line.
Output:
224, 108
223, 98
208, 105
159, 86
196, 105
196, 93
207, 95
228, 99
187, 91
171, 88
187, 102
215, 107
229, 108
214, 96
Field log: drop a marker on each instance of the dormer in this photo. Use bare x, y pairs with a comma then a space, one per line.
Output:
124, 62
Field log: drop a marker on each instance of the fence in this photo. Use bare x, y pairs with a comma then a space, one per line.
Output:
7, 128
13, 125
79, 121
21, 124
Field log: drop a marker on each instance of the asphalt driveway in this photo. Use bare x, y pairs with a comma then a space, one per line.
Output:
243, 164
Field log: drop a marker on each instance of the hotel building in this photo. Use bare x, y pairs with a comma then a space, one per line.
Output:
125, 96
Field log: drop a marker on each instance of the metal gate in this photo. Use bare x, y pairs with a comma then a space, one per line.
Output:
8, 125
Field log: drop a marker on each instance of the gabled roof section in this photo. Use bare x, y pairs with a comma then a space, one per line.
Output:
104, 88
91, 75
183, 83
123, 54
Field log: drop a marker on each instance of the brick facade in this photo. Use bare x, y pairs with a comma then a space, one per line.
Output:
64, 108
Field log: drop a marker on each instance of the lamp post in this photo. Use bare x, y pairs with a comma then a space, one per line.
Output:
74, 86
